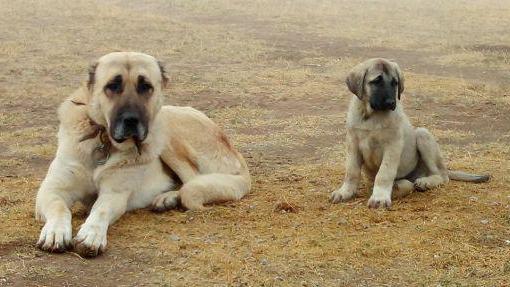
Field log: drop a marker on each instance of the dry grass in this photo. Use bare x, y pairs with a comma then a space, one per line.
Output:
271, 73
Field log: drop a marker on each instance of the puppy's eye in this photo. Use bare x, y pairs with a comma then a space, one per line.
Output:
143, 86
394, 82
377, 80
115, 86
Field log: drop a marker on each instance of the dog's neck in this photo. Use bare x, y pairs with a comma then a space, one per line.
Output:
361, 115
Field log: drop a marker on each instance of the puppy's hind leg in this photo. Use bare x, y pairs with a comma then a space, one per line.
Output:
402, 188
430, 154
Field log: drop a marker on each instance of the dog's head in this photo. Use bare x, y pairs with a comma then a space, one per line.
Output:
377, 82
125, 95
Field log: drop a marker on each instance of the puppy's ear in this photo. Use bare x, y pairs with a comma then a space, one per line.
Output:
164, 78
92, 75
400, 76
355, 81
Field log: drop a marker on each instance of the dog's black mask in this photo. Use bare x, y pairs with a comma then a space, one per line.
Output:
384, 90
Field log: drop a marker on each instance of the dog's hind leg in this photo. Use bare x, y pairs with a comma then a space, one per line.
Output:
402, 188
430, 154
214, 187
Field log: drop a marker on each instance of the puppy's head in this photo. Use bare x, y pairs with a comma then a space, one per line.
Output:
377, 82
125, 95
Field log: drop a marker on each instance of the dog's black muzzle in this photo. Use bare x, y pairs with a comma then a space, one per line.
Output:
129, 124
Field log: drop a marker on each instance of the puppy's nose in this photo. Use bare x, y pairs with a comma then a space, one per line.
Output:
390, 104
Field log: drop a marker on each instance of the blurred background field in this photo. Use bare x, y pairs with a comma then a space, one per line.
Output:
271, 73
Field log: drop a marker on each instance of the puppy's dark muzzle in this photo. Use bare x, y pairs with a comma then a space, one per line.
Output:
129, 125
385, 105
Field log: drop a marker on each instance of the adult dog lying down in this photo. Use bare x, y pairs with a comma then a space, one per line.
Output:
396, 156
119, 150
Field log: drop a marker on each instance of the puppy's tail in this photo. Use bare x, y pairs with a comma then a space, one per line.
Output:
214, 187
468, 177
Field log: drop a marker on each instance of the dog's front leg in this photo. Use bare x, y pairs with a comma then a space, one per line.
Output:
353, 165
383, 184
64, 184
110, 205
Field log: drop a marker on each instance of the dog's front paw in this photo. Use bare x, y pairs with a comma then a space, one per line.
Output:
55, 236
165, 201
90, 240
341, 194
380, 198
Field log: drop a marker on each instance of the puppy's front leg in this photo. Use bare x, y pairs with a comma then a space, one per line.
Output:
110, 205
383, 184
353, 165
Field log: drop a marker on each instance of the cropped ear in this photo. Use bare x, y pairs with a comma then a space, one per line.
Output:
164, 78
400, 76
355, 81
92, 75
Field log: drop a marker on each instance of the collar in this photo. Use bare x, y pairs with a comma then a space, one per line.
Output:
101, 153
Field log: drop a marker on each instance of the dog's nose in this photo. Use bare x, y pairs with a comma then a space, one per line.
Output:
130, 121
390, 104
128, 125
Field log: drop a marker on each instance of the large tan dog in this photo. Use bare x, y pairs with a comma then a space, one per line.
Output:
119, 150
396, 156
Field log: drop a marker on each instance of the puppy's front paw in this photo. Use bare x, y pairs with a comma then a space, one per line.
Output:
55, 236
90, 240
341, 194
380, 198
165, 201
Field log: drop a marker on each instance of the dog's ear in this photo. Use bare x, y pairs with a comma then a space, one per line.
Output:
164, 78
355, 81
92, 75
400, 76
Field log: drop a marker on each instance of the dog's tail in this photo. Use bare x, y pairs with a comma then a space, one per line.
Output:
214, 187
468, 177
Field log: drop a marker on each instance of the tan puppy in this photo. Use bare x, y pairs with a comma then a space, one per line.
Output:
396, 156
119, 150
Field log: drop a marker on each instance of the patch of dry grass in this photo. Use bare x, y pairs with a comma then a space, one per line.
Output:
271, 73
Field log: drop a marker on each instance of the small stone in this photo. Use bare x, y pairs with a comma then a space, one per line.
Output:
473, 198
484, 221
343, 221
174, 237
264, 261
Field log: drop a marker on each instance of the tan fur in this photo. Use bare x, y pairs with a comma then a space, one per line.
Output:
397, 157
180, 138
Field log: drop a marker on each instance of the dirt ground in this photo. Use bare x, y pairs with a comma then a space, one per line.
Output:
271, 74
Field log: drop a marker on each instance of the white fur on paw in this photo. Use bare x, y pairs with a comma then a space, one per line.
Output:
422, 184
165, 201
380, 198
341, 194
90, 240
55, 236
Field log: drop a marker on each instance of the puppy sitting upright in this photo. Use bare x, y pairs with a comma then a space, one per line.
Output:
396, 156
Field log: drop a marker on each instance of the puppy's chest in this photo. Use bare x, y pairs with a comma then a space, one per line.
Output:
371, 145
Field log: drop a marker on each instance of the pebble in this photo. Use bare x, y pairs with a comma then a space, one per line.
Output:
174, 237
484, 221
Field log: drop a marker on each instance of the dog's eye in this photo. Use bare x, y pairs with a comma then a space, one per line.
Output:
394, 82
143, 86
377, 80
115, 86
